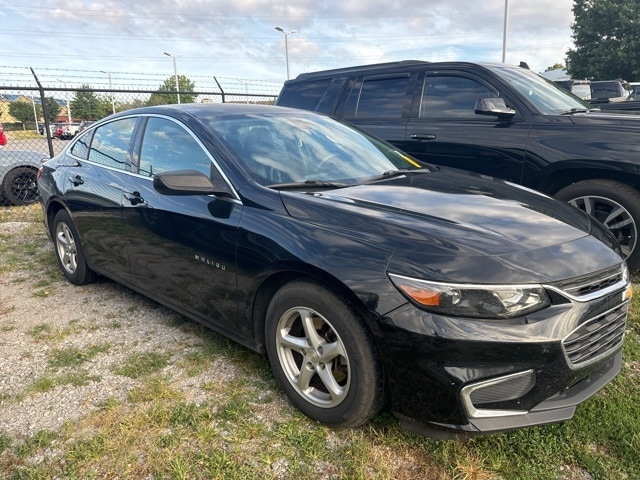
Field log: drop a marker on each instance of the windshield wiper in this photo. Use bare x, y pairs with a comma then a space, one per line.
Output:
395, 173
575, 110
307, 184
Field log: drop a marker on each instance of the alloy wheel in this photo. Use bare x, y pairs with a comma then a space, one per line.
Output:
313, 357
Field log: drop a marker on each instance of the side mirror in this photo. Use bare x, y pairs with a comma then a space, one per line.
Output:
188, 182
493, 106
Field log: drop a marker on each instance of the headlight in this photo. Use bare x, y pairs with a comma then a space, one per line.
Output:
476, 301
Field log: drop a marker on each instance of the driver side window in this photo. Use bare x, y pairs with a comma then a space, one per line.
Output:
167, 146
452, 97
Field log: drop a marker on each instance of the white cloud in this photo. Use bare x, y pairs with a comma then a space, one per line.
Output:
237, 38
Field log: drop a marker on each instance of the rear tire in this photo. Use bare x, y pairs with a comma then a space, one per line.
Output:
69, 251
19, 186
614, 204
323, 355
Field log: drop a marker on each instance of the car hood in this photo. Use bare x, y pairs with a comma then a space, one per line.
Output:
445, 219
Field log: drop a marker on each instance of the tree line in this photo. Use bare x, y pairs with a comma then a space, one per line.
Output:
606, 37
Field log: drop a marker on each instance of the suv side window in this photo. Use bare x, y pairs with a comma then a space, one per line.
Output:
111, 142
167, 146
452, 97
305, 95
378, 97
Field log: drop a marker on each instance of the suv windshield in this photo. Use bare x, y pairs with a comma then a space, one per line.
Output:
547, 97
307, 148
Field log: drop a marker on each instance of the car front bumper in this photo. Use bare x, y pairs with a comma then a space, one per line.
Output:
453, 377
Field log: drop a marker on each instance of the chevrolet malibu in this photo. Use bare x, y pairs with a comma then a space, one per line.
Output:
464, 304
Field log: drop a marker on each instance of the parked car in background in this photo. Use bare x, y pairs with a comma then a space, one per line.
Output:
580, 88
57, 130
472, 304
604, 91
69, 130
53, 127
634, 88
494, 119
18, 170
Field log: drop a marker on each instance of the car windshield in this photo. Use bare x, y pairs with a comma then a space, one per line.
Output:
546, 96
278, 149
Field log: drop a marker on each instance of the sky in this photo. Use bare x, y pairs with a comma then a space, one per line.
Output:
72, 42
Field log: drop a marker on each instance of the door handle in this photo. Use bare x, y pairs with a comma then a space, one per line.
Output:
134, 198
422, 136
77, 180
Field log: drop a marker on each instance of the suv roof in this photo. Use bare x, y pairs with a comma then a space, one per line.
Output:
394, 65
373, 66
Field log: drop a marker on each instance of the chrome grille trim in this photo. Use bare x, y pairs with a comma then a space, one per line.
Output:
594, 285
597, 337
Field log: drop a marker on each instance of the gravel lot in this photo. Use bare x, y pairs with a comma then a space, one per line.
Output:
41, 315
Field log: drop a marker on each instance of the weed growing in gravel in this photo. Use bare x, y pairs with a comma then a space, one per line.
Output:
139, 364
74, 356
45, 332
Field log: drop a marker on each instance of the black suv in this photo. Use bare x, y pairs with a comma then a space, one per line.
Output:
494, 119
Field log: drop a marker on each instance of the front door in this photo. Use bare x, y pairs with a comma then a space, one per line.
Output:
181, 248
445, 130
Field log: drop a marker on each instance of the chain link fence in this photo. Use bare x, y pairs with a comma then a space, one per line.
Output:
40, 116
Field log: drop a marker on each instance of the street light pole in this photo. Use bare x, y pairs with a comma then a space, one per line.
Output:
175, 72
113, 103
504, 30
286, 45
35, 113
68, 104
246, 89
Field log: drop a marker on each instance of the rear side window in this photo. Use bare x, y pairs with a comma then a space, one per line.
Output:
305, 95
381, 97
80, 149
606, 90
111, 143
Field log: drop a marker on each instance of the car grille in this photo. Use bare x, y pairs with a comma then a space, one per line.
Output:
596, 337
587, 285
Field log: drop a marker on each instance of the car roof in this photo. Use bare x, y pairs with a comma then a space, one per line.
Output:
211, 109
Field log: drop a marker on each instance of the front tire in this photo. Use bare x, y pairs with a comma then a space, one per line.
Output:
323, 355
69, 251
614, 204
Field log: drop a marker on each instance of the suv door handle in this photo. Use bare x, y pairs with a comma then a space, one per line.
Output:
134, 198
422, 136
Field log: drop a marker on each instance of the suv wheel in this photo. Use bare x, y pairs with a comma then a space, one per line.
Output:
614, 204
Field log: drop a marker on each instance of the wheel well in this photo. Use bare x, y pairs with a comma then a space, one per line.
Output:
271, 285
559, 179
52, 210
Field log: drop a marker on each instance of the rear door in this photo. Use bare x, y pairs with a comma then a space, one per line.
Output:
181, 248
95, 186
380, 104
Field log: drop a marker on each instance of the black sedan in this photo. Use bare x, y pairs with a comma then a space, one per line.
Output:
466, 304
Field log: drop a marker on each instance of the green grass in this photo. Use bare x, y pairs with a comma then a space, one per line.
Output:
234, 423
141, 364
